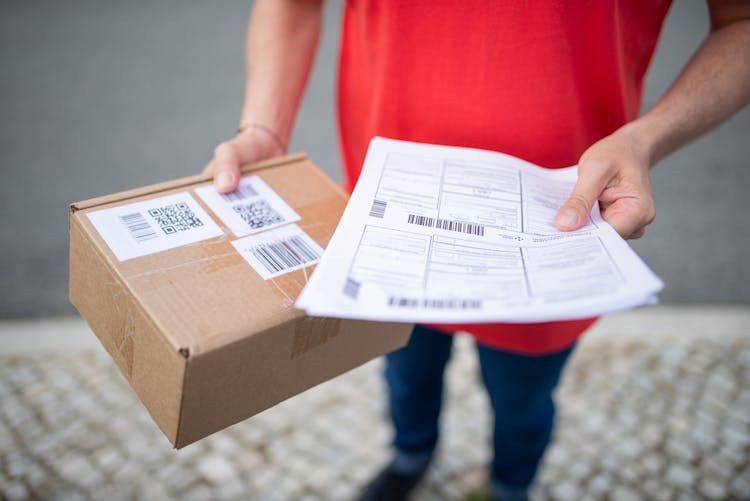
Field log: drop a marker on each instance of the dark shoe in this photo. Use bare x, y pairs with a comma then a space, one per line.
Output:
499, 492
486, 495
390, 485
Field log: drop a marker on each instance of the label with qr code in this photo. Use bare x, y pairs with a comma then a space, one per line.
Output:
279, 251
253, 207
150, 226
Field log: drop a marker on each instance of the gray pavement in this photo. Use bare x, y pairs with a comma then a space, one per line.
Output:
655, 404
99, 96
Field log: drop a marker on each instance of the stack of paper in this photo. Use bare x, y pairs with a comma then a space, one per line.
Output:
443, 234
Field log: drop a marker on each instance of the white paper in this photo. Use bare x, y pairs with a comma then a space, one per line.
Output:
154, 225
443, 234
253, 207
279, 251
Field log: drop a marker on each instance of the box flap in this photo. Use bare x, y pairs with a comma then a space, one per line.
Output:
182, 182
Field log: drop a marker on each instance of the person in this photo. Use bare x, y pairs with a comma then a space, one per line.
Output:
556, 83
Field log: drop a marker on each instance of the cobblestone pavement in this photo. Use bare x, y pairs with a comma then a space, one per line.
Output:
640, 417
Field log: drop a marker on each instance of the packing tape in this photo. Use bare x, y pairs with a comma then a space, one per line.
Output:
311, 332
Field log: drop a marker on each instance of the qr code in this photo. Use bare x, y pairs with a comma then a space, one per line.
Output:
175, 217
258, 214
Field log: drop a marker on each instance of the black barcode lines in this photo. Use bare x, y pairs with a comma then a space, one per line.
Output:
138, 227
446, 224
461, 226
421, 220
285, 254
378, 208
453, 304
241, 193
351, 288
403, 302
438, 304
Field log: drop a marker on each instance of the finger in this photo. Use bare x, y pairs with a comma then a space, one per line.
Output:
629, 217
226, 167
573, 214
208, 170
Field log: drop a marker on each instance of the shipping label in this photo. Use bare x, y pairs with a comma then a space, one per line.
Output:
253, 207
154, 225
279, 251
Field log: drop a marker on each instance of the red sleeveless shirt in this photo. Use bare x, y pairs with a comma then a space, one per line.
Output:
539, 80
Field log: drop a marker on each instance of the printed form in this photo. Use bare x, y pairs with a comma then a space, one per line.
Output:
445, 234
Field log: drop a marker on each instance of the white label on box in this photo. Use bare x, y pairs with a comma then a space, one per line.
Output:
154, 225
279, 251
253, 207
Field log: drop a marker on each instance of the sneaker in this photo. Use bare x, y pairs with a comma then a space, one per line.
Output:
390, 485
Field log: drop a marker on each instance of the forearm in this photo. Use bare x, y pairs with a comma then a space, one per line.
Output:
281, 41
714, 85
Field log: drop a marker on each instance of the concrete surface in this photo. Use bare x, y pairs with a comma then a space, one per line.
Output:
100, 96
654, 404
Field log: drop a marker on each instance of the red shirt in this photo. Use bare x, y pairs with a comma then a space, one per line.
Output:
538, 80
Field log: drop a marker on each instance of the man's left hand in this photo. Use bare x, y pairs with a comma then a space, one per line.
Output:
613, 171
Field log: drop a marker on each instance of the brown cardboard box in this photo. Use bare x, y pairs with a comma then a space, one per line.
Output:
203, 340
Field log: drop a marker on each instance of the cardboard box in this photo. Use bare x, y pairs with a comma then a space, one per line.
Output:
201, 337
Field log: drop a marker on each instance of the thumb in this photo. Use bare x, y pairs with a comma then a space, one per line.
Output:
226, 166
576, 209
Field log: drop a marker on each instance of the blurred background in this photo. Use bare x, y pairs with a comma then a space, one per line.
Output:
102, 96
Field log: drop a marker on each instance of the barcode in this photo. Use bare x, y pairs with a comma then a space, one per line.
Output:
421, 220
453, 304
242, 192
351, 288
442, 304
138, 227
258, 214
461, 227
446, 224
285, 254
403, 302
378, 208
175, 217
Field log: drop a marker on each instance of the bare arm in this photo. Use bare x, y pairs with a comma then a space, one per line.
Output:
282, 37
713, 85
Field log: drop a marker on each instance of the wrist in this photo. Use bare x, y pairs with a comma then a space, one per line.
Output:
643, 138
268, 133
276, 120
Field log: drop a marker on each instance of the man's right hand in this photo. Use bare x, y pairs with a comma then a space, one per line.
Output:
251, 145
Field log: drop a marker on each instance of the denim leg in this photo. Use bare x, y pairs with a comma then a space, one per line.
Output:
414, 376
520, 389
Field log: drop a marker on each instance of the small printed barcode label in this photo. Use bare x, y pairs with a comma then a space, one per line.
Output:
251, 208
279, 251
440, 304
378, 208
446, 224
285, 254
351, 288
138, 227
243, 192
154, 225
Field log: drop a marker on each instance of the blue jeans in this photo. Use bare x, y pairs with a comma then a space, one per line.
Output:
520, 390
